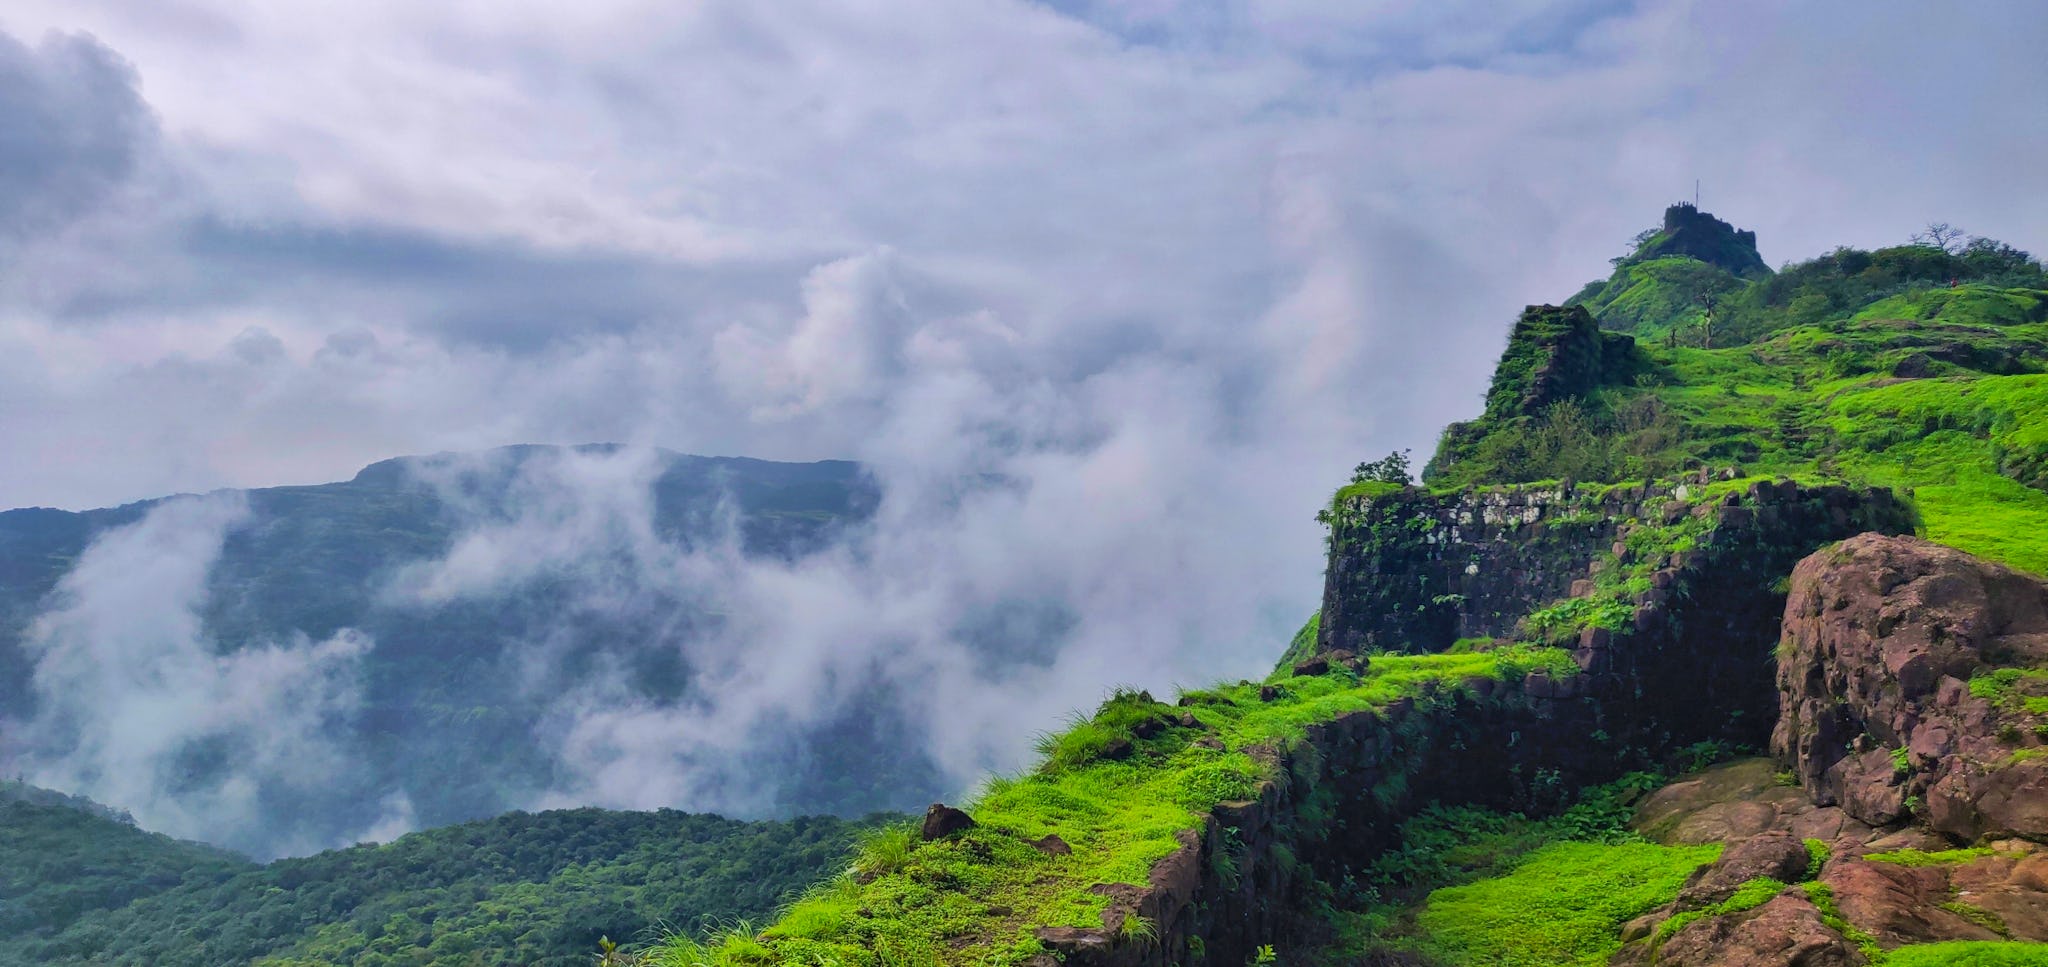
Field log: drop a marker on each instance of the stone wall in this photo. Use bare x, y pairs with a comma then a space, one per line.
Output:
1414, 571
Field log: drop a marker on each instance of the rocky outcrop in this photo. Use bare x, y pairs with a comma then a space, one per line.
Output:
1554, 354
1911, 686
1880, 886
1787, 931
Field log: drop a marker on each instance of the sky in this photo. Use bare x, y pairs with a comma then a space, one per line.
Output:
1170, 266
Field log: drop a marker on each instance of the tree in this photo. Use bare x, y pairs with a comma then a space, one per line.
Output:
1941, 235
1708, 302
1635, 245
1392, 468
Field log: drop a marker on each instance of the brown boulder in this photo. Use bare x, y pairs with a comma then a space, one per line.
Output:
1785, 932
1899, 904
1881, 635
1052, 845
1775, 854
2012, 890
1313, 666
941, 821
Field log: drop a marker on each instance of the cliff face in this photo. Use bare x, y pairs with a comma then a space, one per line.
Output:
1669, 593
1914, 683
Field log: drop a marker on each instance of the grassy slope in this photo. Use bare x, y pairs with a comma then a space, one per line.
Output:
1822, 402
976, 898
1472, 888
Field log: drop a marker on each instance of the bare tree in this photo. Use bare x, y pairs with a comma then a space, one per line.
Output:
1941, 235
1708, 302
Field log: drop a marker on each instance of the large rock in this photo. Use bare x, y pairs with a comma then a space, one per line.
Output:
1786, 931
1775, 854
1899, 904
1881, 637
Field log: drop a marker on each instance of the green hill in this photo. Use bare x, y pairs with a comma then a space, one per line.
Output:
79, 886
1855, 367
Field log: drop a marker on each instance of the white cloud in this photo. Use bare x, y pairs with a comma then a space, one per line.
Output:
135, 707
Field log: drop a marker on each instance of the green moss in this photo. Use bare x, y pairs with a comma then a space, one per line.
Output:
1979, 916
2013, 689
1748, 896
1816, 857
1914, 857
1976, 953
1823, 899
1564, 905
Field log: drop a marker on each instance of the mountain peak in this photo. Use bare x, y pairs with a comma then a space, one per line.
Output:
1690, 232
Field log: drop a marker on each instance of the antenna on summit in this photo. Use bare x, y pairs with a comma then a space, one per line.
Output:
1695, 193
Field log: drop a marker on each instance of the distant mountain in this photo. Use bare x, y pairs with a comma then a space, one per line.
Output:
79, 886
451, 709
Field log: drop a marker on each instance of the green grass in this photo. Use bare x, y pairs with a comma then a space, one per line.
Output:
1968, 439
2013, 689
977, 897
1914, 857
1562, 907
1823, 899
1748, 896
1977, 953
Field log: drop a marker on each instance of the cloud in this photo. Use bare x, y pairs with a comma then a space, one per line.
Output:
136, 708
71, 129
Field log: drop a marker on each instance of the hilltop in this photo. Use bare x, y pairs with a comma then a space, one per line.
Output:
1468, 756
